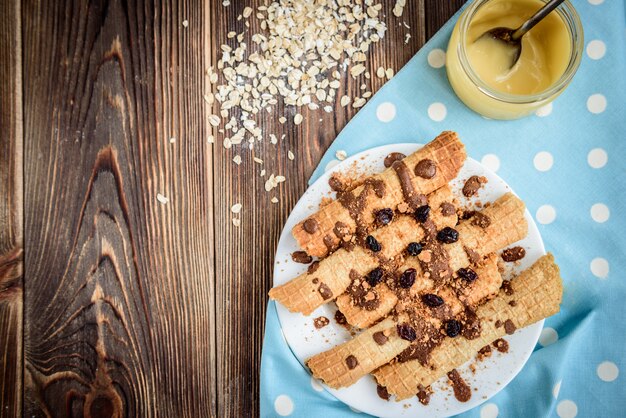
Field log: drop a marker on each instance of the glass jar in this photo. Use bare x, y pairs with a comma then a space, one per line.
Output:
495, 103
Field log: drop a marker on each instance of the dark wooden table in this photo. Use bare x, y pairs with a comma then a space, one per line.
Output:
111, 303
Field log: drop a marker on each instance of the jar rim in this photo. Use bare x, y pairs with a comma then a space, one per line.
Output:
570, 18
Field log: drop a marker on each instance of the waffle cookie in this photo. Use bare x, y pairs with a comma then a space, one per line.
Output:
495, 227
535, 294
407, 181
330, 277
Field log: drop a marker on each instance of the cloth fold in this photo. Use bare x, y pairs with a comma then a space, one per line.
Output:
566, 163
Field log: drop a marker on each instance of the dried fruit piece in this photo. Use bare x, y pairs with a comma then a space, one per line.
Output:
421, 213
453, 328
432, 300
375, 276
448, 235
467, 274
407, 278
372, 244
406, 332
383, 216
414, 248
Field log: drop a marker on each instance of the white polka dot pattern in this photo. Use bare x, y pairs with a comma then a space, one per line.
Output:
566, 409
386, 112
283, 405
546, 214
597, 158
607, 371
596, 103
599, 267
437, 112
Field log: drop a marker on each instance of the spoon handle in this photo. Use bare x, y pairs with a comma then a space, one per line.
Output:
536, 18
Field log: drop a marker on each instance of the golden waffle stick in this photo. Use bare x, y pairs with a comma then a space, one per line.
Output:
330, 365
446, 151
537, 295
487, 284
337, 369
308, 291
507, 225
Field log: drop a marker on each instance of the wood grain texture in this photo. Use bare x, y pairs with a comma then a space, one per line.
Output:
11, 215
118, 286
245, 255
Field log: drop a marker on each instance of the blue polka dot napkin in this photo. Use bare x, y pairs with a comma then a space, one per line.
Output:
568, 163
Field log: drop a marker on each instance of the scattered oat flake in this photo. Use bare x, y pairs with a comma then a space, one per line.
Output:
274, 200
237, 159
185, 23
358, 102
406, 38
282, 119
226, 3
210, 139
258, 160
247, 12
345, 100
290, 155
263, 173
236, 222
380, 72
214, 120
172, 140
341, 155
236, 208
297, 119
389, 73
231, 34
162, 199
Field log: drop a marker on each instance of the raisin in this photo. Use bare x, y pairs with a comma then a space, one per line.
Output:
375, 276
421, 213
432, 300
448, 235
372, 244
408, 278
467, 274
406, 332
414, 248
453, 328
383, 216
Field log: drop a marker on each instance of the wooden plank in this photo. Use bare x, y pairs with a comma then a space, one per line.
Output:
245, 255
11, 210
119, 313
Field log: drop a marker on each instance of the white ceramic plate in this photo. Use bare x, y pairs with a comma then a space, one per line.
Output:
491, 375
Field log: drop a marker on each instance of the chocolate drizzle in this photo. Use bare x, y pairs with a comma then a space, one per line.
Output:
325, 291
423, 394
434, 259
392, 158
411, 196
313, 267
311, 225
470, 324
329, 242
509, 327
462, 391
361, 293
501, 345
447, 209
301, 257
356, 205
426, 169
428, 337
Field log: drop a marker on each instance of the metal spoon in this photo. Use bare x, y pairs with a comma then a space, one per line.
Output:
512, 38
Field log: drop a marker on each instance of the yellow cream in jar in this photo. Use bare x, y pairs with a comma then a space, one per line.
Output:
546, 55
